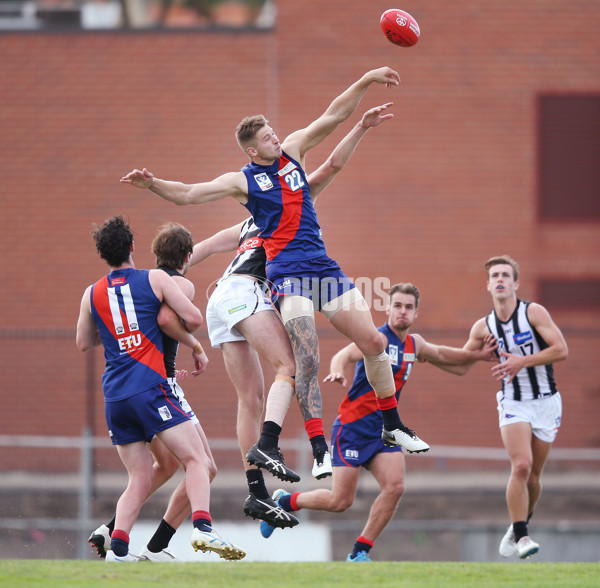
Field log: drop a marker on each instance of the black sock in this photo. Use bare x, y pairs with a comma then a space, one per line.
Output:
119, 547
162, 536
269, 436
111, 524
529, 516
285, 502
202, 524
391, 419
520, 529
360, 546
319, 445
256, 483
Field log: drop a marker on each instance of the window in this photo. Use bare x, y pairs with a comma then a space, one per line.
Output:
574, 294
569, 161
71, 15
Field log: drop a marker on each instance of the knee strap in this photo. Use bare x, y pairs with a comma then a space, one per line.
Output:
295, 306
379, 373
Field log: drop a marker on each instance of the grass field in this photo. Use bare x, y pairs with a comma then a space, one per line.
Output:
67, 574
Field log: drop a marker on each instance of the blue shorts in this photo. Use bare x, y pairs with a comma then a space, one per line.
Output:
141, 416
320, 279
352, 449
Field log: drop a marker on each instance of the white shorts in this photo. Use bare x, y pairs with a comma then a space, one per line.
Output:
185, 406
544, 414
233, 300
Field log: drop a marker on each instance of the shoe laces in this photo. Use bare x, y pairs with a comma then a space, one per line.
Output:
408, 431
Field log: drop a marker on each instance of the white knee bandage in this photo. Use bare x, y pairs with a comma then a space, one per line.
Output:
379, 373
344, 300
295, 306
279, 399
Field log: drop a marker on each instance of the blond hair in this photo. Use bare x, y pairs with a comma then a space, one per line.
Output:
503, 260
245, 133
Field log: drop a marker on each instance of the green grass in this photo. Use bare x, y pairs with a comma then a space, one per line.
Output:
67, 574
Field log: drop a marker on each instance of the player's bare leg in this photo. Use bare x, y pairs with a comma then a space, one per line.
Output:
388, 470
245, 372
517, 439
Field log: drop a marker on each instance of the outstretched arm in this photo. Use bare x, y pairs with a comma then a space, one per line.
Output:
456, 360
299, 142
231, 184
322, 176
221, 242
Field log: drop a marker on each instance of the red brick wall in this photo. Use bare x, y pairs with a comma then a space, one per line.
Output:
428, 197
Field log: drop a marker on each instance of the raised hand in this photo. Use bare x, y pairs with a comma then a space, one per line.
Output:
139, 178
384, 75
374, 116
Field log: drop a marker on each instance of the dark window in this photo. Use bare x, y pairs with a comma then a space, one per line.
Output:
569, 163
573, 295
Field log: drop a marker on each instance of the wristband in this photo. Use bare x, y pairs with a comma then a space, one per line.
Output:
198, 349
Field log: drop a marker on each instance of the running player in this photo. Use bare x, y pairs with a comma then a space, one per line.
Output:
356, 433
529, 404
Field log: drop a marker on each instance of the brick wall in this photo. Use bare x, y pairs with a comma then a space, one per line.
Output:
428, 197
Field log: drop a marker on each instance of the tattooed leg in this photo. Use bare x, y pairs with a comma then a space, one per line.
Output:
303, 336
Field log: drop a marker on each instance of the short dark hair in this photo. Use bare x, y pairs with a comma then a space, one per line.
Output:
114, 240
503, 260
405, 288
171, 245
246, 131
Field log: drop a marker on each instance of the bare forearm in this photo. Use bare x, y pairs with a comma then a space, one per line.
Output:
89, 341
175, 192
345, 104
344, 357
546, 356
171, 325
456, 356
342, 153
221, 242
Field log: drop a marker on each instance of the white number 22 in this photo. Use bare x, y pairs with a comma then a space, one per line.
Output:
294, 180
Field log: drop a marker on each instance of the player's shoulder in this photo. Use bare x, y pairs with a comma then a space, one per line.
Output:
419, 341
293, 145
186, 286
156, 276
480, 326
536, 312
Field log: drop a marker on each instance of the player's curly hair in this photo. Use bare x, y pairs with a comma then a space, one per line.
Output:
114, 240
246, 131
503, 260
171, 245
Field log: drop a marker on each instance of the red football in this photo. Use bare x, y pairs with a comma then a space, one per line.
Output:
400, 27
